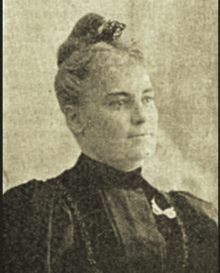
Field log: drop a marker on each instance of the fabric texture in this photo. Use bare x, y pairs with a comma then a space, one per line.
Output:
93, 218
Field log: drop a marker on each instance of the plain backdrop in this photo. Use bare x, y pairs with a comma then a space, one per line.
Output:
180, 36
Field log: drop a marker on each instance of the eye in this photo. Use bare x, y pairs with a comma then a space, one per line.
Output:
117, 104
120, 103
148, 99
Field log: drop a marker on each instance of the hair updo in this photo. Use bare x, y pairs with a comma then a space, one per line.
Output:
91, 36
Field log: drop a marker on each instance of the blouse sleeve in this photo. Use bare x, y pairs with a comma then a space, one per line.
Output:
17, 213
202, 206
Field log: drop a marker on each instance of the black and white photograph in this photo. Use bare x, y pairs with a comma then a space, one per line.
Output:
110, 136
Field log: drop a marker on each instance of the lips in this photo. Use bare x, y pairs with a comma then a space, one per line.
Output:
140, 135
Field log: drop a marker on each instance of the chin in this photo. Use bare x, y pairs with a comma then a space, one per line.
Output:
140, 155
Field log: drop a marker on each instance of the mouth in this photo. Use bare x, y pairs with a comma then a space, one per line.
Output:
140, 135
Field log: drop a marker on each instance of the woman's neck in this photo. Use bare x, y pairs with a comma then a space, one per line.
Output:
121, 165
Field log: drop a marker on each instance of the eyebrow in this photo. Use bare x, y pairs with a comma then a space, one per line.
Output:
118, 94
148, 90
125, 94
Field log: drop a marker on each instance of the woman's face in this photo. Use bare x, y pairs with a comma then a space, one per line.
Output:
120, 117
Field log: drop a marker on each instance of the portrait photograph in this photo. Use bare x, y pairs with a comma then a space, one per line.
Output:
110, 136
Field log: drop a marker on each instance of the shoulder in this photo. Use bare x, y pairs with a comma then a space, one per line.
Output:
17, 199
27, 194
186, 200
26, 216
26, 208
22, 195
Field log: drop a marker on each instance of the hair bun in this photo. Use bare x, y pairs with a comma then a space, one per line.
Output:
90, 29
87, 26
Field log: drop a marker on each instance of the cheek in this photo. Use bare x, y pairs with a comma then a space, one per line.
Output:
108, 125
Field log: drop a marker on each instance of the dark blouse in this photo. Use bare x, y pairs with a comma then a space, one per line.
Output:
93, 218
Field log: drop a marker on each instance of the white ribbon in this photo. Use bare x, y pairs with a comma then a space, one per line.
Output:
170, 212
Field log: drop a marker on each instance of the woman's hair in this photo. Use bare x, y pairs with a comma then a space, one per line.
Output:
89, 45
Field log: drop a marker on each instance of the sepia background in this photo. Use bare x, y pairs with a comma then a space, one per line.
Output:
180, 36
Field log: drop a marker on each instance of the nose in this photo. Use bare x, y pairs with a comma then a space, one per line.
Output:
138, 115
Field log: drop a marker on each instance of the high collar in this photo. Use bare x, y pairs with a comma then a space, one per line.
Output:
101, 174
91, 175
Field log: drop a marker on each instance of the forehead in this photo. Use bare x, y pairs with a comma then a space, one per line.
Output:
116, 70
128, 73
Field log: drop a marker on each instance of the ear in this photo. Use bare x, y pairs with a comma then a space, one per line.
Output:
72, 114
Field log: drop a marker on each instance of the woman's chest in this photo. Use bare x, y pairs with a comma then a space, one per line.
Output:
116, 231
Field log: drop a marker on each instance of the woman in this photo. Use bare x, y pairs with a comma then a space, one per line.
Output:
101, 215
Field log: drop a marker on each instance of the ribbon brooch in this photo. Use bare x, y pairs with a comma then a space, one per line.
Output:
170, 212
